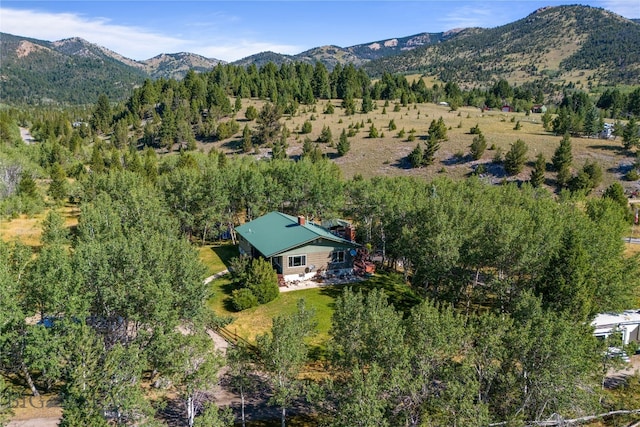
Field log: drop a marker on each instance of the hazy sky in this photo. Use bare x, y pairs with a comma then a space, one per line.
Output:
230, 30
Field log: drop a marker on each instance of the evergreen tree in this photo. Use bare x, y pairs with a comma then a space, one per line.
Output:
343, 144
58, 185
478, 146
251, 113
306, 127
429, 155
415, 157
27, 186
631, 135
515, 158
592, 122
101, 117
367, 103
561, 160
538, 172
438, 130
329, 109
373, 132
279, 150
615, 192
247, 139
268, 124
325, 135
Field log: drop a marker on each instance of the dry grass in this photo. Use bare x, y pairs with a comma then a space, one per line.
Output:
387, 155
28, 229
632, 249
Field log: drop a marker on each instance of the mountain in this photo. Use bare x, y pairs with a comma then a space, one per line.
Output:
552, 42
176, 65
262, 58
69, 71
76, 71
357, 55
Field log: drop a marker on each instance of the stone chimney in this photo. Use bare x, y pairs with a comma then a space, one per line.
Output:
301, 220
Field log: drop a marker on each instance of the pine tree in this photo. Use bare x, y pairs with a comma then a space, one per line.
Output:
58, 186
515, 158
561, 160
592, 122
343, 144
429, 155
538, 172
630, 136
325, 135
478, 146
373, 132
247, 140
415, 157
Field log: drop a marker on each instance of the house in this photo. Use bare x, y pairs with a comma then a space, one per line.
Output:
297, 248
626, 323
539, 109
506, 108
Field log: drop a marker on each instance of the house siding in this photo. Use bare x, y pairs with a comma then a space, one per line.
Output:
244, 247
319, 256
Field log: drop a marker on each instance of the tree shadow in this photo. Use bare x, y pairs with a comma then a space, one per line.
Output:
455, 160
616, 149
233, 144
402, 163
226, 253
621, 168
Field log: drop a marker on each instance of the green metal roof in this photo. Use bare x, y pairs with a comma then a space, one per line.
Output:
276, 232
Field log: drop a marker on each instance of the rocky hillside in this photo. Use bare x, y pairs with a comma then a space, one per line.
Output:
176, 65
556, 42
357, 55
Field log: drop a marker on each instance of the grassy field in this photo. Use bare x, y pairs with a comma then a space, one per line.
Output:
28, 229
386, 155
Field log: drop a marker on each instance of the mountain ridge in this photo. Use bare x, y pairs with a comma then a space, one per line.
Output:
556, 42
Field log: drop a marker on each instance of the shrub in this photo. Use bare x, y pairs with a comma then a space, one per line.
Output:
329, 109
251, 113
632, 175
262, 280
306, 127
239, 267
325, 135
241, 299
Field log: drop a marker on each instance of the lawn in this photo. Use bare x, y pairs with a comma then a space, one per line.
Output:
216, 257
255, 321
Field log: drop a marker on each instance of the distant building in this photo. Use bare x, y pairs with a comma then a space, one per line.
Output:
506, 108
539, 109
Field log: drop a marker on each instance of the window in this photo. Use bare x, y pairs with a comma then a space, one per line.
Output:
297, 261
337, 256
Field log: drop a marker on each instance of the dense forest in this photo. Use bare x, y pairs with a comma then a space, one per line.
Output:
499, 283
